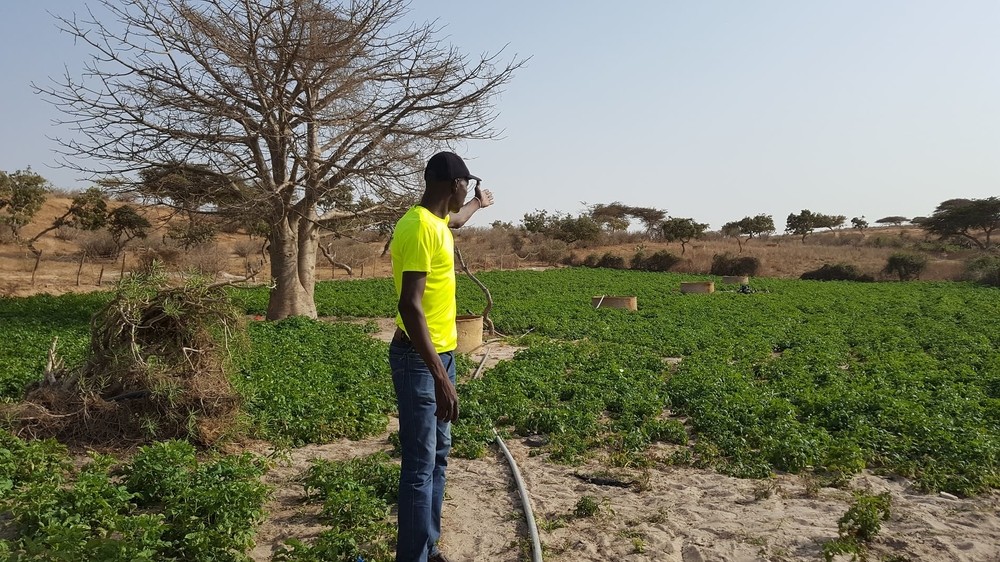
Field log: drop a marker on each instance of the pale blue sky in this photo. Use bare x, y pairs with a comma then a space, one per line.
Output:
708, 109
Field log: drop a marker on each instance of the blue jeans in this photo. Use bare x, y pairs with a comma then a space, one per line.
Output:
425, 443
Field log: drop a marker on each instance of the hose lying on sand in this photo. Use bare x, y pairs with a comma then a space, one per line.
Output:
529, 516
522, 491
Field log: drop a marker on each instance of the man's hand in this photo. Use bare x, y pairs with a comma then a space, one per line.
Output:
485, 197
447, 400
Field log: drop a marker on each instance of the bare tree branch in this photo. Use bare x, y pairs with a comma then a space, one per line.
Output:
324, 110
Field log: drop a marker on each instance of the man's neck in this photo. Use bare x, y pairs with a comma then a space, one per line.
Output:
436, 205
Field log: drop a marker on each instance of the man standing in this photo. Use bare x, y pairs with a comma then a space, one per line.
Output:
422, 351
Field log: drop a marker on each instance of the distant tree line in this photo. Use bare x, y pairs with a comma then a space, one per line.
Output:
191, 190
971, 220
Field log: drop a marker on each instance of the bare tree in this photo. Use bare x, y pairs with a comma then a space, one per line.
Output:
320, 111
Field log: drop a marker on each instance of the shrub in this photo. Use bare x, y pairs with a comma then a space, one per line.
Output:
726, 264
859, 526
205, 261
908, 266
864, 519
658, 261
162, 252
985, 270
67, 233
836, 272
886, 242
587, 506
590, 261
550, 251
246, 248
611, 261
99, 245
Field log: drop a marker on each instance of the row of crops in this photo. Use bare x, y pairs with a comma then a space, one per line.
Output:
903, 377
795, 376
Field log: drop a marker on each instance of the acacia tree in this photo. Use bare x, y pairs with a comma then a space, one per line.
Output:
759, 225
966, 218
682, 230
651, 219
613, 216
732, 230
829, 221
894, 220
296, 100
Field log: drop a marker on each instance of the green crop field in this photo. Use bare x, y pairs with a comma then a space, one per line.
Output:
794, 376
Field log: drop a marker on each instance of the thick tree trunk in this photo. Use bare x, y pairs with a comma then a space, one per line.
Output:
293, 269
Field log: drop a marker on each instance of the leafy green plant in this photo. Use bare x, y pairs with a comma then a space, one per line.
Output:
587, 506
580, 395
211, 508
356, 496
864, 518
306, 381
147, 510
859, 525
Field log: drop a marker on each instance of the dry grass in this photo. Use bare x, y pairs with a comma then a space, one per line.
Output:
483, 249
155, 369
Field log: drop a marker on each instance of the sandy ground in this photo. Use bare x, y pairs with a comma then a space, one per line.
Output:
668, 514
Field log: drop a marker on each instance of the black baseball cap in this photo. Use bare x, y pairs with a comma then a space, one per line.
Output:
447, 166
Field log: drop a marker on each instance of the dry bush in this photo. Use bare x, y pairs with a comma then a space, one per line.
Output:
66, 233
6, 236
155, 370
946, 269
550, 252
476, 252
204, 260
162, 251
351, 252
848, 239
98, 245
622, 237
495, 240
62, 192
125, 196
369, 237
246, 247
8, 289
887, 241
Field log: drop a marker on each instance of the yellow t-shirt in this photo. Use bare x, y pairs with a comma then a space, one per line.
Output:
423, 242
